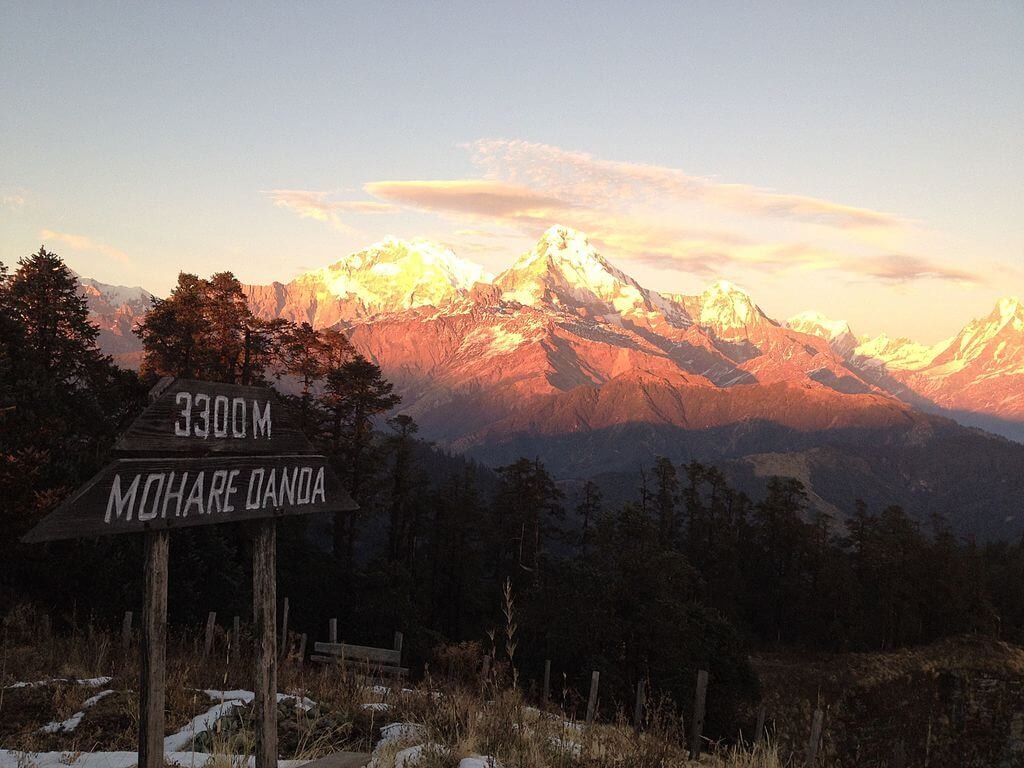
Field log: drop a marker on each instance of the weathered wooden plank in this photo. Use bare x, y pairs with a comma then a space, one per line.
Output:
126, 630
759, 728
399, 640
284, 628
203, 417
154, 652
360, 652
595, 679
332, 631
699, 708
815, 740
380, 669
211, 623
264, 613
547, 681
134, 495
641, 703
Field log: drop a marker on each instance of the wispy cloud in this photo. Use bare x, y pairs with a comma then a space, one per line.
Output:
86, 244
311, 204
13, 201
656, 215
581, 176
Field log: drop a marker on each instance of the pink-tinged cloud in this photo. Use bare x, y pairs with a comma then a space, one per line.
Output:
86, 244
901, 268
479, 197
311, 204
580, 176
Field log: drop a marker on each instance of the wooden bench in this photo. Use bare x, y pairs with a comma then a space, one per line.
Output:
363, 659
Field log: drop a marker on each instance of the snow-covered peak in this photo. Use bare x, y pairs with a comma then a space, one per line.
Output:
564, 270
898, 354
396, 274
726, 307
1010, 309
992, 342
104, 298
836, 332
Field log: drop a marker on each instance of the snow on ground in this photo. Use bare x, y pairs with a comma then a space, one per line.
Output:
89, 682
72, 722
226, 701
14, 759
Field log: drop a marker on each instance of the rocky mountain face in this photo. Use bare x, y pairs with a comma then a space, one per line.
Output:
566, 357
115, 309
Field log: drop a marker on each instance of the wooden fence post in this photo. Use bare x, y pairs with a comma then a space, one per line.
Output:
332, 631
399, 640
595, 679
641, 702
211, 622
547, 680
815, 740
487, 665
899, 755
697, 725
126, 630
759, 728
284, 628
302, 650
264, 613
154, 652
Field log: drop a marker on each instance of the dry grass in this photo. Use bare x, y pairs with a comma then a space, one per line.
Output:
459, 711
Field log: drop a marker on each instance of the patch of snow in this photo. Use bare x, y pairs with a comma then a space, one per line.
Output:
15, 759
393, 732
72, 722
476, 761
88, 682
377, 706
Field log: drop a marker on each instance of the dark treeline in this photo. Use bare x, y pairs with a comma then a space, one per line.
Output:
691, 574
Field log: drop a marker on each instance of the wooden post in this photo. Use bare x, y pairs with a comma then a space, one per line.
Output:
211, 622
399, 639
487, 665
302, 649
264, 613
641, 702
595, 678
815, 740
547, 680
697, 724
126, 630
332, 630
899, 756
154, 652
759, 728
236, 635
284, 627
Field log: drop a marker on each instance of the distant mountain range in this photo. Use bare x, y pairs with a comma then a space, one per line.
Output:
566, 357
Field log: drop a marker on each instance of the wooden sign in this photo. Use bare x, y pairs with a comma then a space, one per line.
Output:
135, 495
202, 418
205, 453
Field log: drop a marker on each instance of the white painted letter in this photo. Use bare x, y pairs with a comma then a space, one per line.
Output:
305, 483
183, 427
195, 496
318, 486
260, 423
157, 477
252, 500
238, 417
232, 489
118, 502
205, 431
172, 495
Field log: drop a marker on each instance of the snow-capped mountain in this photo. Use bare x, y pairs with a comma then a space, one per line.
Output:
563, 271
836, 332
562, 317
115, 309
390, 276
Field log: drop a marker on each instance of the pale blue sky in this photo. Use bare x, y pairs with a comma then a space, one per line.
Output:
144, 139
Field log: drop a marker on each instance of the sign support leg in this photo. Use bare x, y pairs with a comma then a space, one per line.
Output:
154, 652
264, 612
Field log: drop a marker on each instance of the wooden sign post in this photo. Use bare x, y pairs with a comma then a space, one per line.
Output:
203, 453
